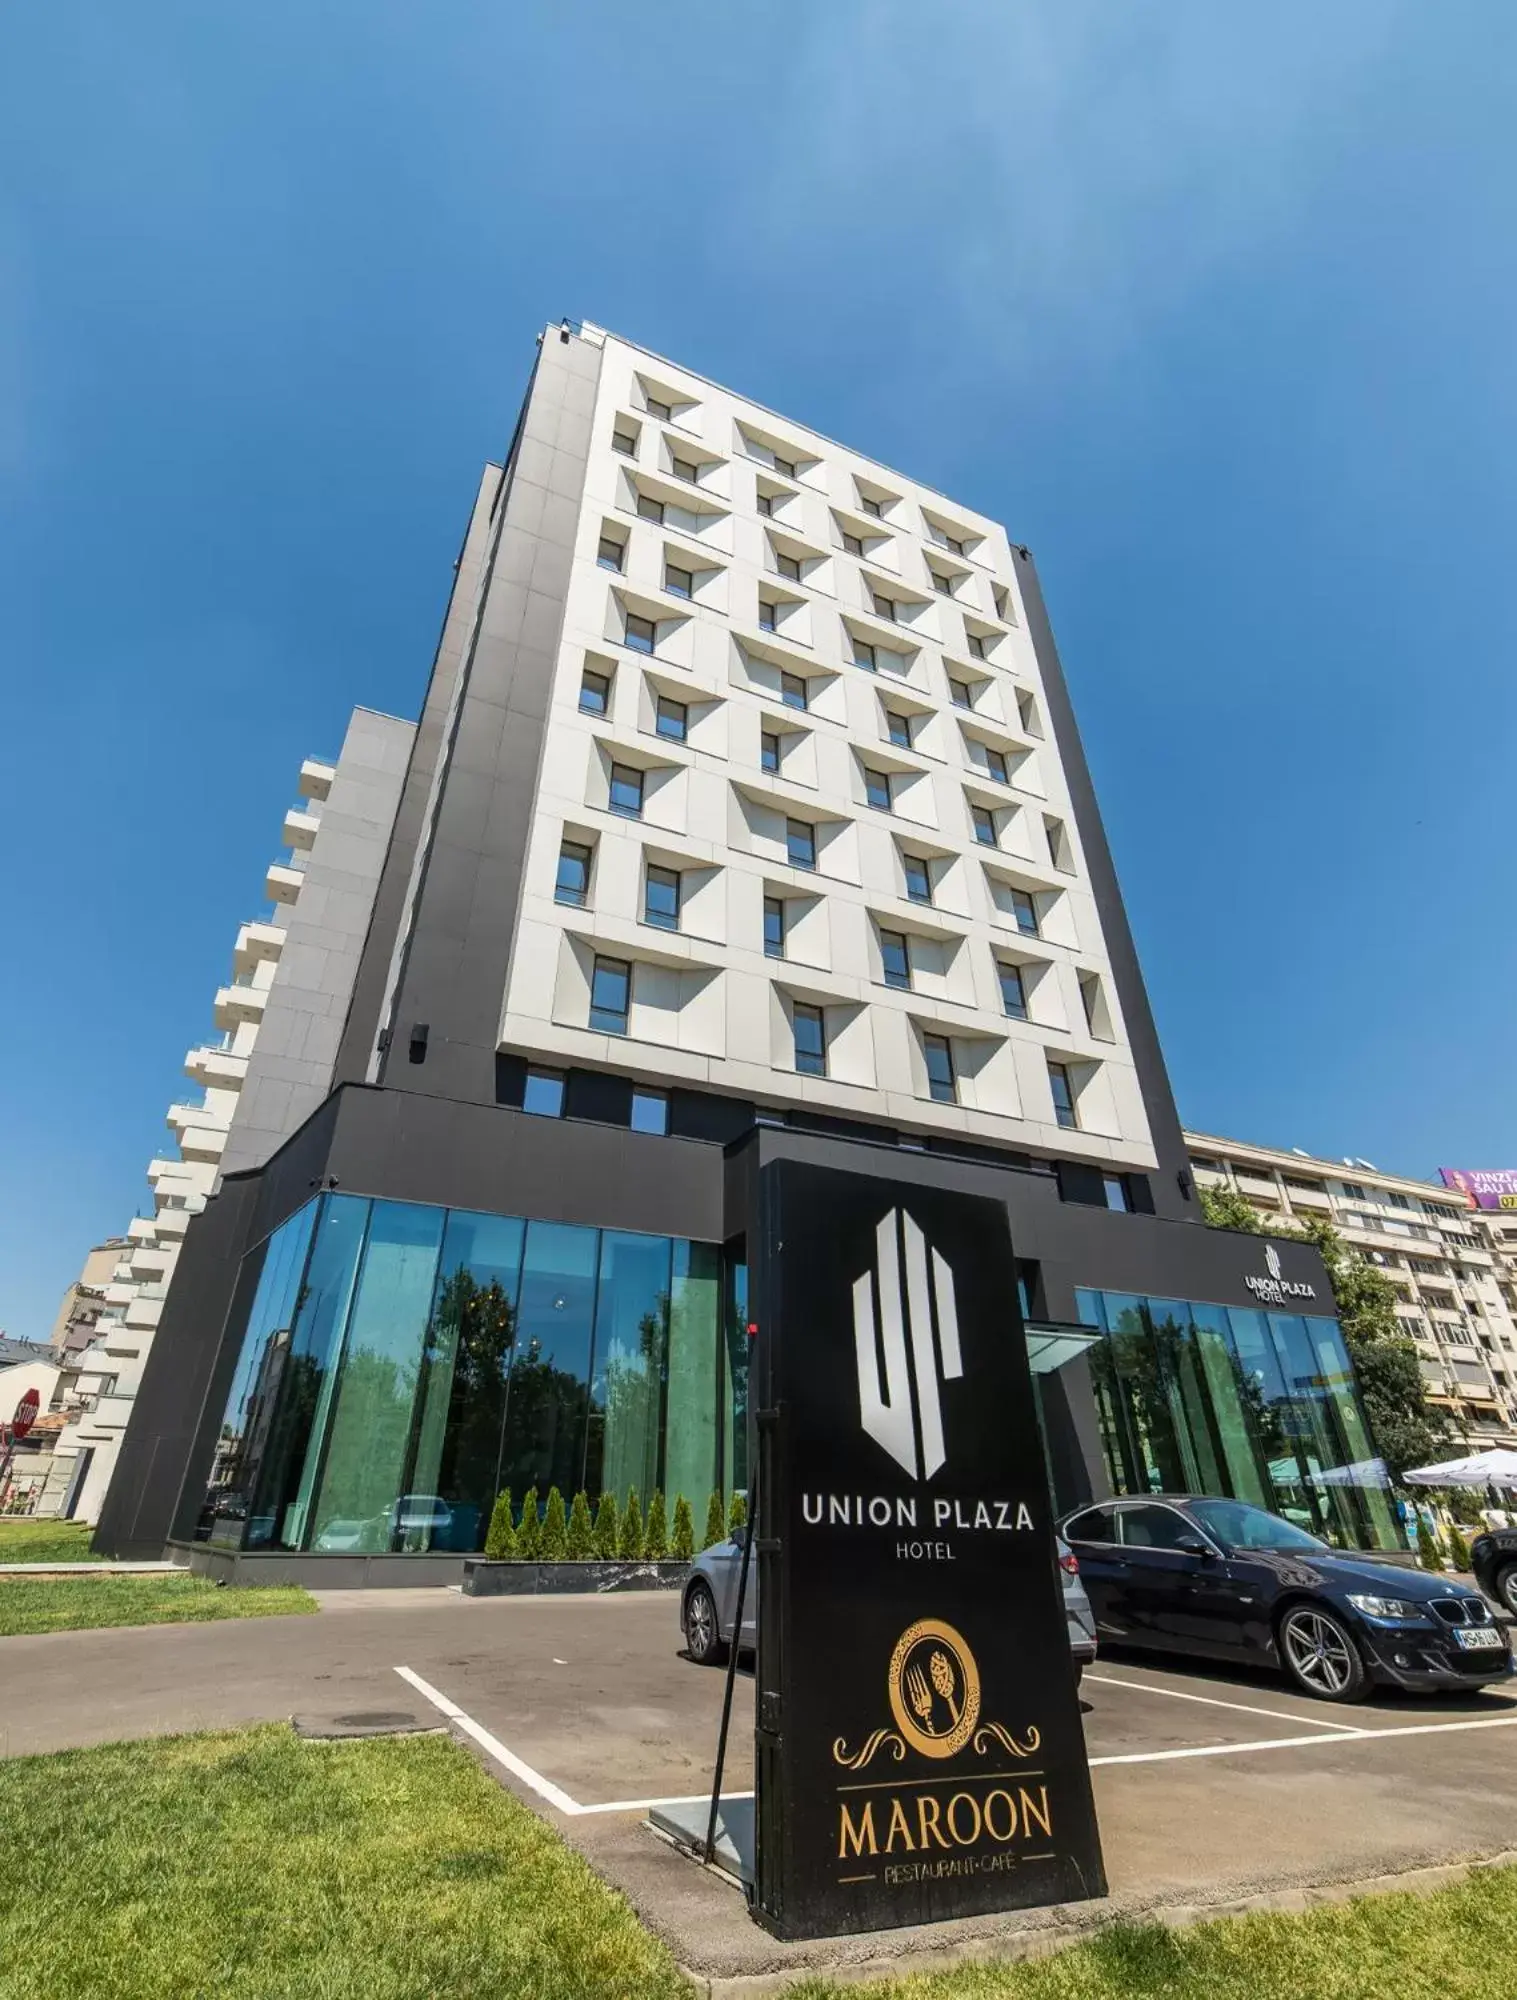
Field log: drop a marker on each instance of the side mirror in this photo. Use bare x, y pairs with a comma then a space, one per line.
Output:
1195, 1545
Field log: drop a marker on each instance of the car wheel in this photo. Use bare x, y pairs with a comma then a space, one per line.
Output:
1320, 1654
1506, 1587
702, 1639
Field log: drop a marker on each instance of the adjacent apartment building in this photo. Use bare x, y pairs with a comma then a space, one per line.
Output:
746, 817
1454, 1267
278, 1019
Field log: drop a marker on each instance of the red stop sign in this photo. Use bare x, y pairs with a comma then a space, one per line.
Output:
26, 1414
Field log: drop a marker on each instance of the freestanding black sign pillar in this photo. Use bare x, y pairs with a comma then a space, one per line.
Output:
919, 1749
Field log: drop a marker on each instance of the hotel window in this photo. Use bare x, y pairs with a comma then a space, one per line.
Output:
995, 764
1058, 844
610, 554
810, 1031
871, 506
1063, 1096
918, 878
800, 843
626, 795
1397, 1200
1027, 709
573, 883
984, 825
943, 585
594, 692
660, 411
673, 719
650, 1110
976, 645
1116, 1192
898, 728
679, 582
866, 656
884, 607
950, 541
766, 503
543, 1093
1025, 910
774, 927
1013, 993
788, 566
793, 691
624, 442
769, 750
641, 634
649, 509
610, 995
877, 789
768, 611
785, 467
959, 694
941, 1085
1090, 1000
661, 898
895, 957
852, 546
683, 468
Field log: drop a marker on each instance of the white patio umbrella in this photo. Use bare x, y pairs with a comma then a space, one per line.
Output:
1483, 1468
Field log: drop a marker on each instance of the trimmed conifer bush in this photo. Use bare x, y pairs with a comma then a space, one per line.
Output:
716, 1522
500, 1540
553, 1546
1459, 1550
656, 1532
529, 1532
581, 1536
631, 1549
682, 1541
737, 1513
608, 1528
1427, 1546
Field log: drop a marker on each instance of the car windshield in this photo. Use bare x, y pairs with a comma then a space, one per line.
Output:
1238, 1526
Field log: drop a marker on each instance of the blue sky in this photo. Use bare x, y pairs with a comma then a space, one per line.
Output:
1213, 306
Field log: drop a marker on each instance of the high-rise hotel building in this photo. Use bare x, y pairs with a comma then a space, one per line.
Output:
746, 817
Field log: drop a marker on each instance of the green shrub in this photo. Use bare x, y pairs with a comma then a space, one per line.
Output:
500, 1541
631, 1546
682, 1541
529, 1533
1459, 1550
716, 1522
608, 1528
581, 1538
656, 1533
737, 1513
1427, 1546
554, 1543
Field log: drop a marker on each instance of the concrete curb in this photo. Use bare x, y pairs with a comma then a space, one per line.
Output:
1076, 1928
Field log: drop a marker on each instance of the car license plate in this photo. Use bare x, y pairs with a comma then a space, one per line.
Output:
1479, 1638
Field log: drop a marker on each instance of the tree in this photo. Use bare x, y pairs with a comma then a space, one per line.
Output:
682, 1541
656, 1533
1427, 1545
1225, 1208
554, 1543
608, 1528
716, 1522
500, 1542
737, 1513
1459, 1550
631, 1548
529, 1534
581, 1536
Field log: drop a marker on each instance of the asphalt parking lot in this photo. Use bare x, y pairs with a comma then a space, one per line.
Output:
1212, 1787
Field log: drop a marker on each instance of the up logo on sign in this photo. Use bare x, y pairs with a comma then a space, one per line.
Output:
905, 1313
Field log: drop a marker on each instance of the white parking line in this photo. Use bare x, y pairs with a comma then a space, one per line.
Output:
1300, 1742
1211, 1701
492, 1745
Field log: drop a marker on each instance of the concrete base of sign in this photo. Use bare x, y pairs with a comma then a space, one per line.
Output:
685, 1825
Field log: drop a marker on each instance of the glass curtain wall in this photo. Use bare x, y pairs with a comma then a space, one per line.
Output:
401, 1364
1225, 1399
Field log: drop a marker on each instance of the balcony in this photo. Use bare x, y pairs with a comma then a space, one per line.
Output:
144, 1313
300, 829
172, 1222
283, 881
257, 944
219, 1067
201, 1134
1310, 1201
239, 1003
120, 1292
316, 775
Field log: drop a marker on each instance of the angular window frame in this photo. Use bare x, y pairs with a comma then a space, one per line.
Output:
599, 693
633, 779
895, 960
942, 1074
635, 637
810, 1060
668, 883
580, 853
671, 719
609, 1019
800, 840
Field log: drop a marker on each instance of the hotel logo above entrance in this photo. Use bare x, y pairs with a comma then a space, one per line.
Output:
1276, 1288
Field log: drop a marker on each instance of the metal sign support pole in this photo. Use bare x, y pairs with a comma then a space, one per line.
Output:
737, 1630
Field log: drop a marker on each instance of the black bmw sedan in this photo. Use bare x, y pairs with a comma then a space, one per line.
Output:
1226, 1581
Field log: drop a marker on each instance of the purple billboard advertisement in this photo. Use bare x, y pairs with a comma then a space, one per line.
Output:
1484, 1187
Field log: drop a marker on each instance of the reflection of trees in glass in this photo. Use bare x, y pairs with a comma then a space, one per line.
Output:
377, 1395
633, 1402
545, 1422
1136, 1369
473, 1331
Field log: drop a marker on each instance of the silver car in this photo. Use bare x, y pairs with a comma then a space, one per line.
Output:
710, 1597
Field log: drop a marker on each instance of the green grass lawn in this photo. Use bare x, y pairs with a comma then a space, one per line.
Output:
252, 1865
84, 1603
1460, 1944
45, 1541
